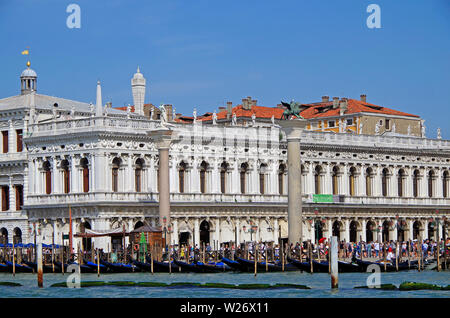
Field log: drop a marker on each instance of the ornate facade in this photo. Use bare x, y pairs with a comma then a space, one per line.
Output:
227, 182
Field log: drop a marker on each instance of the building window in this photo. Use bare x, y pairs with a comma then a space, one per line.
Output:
430, 183
317, 181
352, 178
445, 184
350, 122
401, 178
335, 180
243, 175
138, 174
48, 177
19, 140
5, 141
19, 197
416, 183
85, 166
281, 172
181, 175
384, 182
223, 177
369, 182
388, 124
115, 174
262, 178
5, 198
331, 123
66, 175
203, 170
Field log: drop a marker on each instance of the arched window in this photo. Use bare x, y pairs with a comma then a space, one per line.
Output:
369, 182
400, 180
115, 174
262, 178
17, 236
445, 184
416, 183
317, 183
243, 175
3, 236
351, 181
19, 196
84, 163
66, 175
384, 182
281, 172
335, 180
430, 183
203, 170
5, 198
139, 165
181, 175
48, 177
223, 177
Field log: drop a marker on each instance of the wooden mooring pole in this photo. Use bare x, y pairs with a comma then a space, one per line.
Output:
98, 263
333, 259
40, 273
14, 260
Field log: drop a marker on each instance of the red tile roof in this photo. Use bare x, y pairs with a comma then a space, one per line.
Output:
259, 111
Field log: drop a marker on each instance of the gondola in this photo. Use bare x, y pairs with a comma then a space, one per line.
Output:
219, 267
235, 265
304, 266
192, 268
19, 268
85, 269
120, 267
158, 267
390, 266
261, 266
45, 268
346, 267
3, 268
94, 267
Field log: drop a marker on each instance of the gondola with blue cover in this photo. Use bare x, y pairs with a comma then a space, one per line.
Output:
19, 268
120, 267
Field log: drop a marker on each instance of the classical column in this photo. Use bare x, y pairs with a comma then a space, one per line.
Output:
12, 196
237, 231
345, 184
74, 176
328, 180
163, 139
55, 176
234, 178
346, 230
275, 231
175, 232
217, 234
55, 231
11, 138
196, 233
293, 129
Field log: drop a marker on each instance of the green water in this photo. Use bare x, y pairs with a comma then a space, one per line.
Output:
319, 284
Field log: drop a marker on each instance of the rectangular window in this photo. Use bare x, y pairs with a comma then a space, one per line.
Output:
19, 197
388, 124
86, 179
350, 122
19, 140
5, 141
331, 123
5, 198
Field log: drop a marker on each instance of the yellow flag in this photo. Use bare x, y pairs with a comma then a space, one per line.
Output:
26, 52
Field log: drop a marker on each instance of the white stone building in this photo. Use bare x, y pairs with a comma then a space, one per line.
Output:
227, 182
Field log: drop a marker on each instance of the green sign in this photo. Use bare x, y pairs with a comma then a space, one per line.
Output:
322, 198
65, 236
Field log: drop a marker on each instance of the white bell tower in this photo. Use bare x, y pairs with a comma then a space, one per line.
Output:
138, 90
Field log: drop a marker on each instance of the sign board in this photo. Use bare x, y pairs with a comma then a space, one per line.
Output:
323, 198
65, 236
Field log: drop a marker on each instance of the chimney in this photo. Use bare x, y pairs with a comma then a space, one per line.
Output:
363, 98
169, 112
221, 108
244, 103
229, 109
253, 103
325, 99
335, 102
343, 106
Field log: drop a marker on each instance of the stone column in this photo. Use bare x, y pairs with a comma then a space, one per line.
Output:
175, 232
275, 231
237, 232
12, 195
196, 233
163, 139
55, 231
55, 176
328, 181
293, 129
346, 230
74, 176
12, 147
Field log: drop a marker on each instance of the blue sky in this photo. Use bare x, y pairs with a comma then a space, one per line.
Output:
202, 53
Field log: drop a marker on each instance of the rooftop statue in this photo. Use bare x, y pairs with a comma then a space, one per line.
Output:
293, 108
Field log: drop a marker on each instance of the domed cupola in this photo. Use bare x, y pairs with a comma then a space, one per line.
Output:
28, 80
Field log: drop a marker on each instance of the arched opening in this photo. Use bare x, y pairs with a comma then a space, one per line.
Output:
445, 179
401, 226
353, 231
262, 178
416, 183
138, 224
86, 242
66, 175
84, 163
243, 177
48, 177
431, 230
181, 176
337, 229
385, 232
4, 236
384, 182
335, 180
223, 177
318, 229
17, 235
183, 238
430, 183
400, 182
317, 181
203, 171
416, 230
281, 172
351, 181
139, 166
369, 174
115, 174
204, 232
370, 228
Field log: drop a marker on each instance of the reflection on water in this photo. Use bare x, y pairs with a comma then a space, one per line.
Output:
319, 283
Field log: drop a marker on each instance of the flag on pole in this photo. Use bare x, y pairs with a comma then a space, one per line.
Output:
25, 52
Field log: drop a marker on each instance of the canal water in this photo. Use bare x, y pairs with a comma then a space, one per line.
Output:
318, 282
